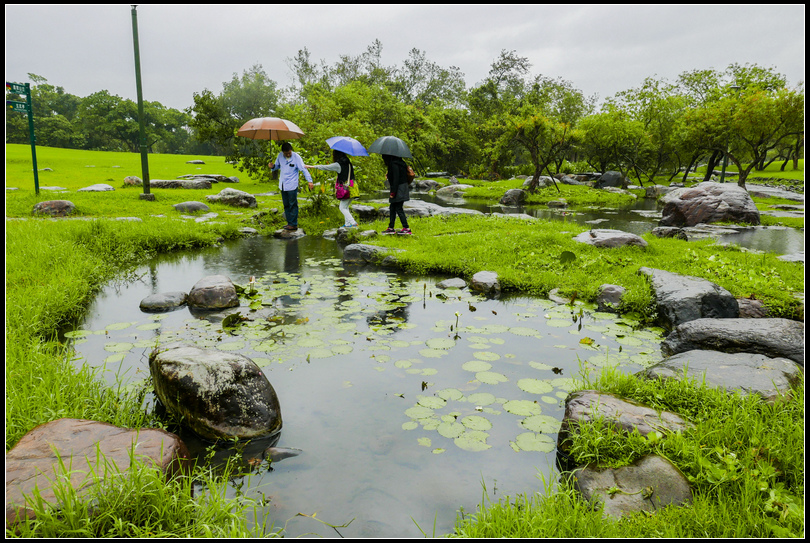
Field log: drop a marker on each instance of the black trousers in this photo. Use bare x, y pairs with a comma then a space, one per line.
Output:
396, 209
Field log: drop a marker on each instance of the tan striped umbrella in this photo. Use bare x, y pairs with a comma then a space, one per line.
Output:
270, 128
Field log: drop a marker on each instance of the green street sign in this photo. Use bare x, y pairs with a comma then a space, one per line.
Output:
17, 106
16, 88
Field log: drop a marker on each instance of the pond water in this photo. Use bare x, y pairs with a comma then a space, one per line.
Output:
409, 403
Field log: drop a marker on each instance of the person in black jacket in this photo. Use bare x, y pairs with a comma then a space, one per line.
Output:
399, 193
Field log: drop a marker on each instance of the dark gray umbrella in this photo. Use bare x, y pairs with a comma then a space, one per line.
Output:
390, 145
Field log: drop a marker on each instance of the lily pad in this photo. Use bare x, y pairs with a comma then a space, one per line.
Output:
320, 353
481, 398
450, 430
432, 402
121, 347
474, 422
534, 386
523, 408
473, 441
491, 377
541, 423
419, 412
523, 331
450, 394
440, 343
476, 366
75, 334
487, 355
530, 441
432, 353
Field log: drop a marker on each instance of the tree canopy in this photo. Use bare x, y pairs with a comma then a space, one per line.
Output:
514, 121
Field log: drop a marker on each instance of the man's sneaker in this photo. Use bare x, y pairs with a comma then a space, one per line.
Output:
406, 231
349, 226
389, 231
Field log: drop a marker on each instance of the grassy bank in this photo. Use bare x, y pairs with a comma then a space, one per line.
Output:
744, 460
54, 267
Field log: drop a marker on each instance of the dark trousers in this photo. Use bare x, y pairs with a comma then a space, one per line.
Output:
396, 209
290, 200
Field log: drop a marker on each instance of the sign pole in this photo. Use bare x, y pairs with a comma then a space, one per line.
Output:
144, 159
26, 107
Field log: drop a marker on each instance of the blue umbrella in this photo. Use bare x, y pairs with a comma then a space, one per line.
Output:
348, 145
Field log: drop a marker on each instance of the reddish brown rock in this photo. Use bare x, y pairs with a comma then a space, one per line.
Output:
34, 460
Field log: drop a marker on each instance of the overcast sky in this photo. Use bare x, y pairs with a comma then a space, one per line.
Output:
601, 49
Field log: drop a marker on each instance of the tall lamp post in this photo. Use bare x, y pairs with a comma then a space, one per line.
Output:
144, 160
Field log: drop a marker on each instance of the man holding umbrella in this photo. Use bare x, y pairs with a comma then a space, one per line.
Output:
290, 165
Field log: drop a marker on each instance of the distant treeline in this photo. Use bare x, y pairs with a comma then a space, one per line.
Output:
512, 122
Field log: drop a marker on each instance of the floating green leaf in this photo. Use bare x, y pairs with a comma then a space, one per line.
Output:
491, 377
75, 334
523, 408
419, 412
476, 366
118, 347
534, 386
424, 441
474, 422
530, 441
118, 325
450, 394
481, 398
523, 331
432, 402
440, 343
486, 355
473, 441
541, 423
450, 430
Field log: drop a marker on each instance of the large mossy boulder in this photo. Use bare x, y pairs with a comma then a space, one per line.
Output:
219, 395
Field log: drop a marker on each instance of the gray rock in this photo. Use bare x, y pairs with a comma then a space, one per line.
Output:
233, 197
681, 298
34, 460
219, 395
164, 301
708, 203
133, 181
610, 239
360, 253
650, 483
213, 292
54, 208
455, 282
611, 179
585, 406
513, 197
289, 234
669, 232
770, 337
744, 372
98, 187
192, 207
180, 184
486, 282
610, 298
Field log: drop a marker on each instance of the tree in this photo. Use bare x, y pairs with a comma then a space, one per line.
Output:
746, 125
217, 118
611, 139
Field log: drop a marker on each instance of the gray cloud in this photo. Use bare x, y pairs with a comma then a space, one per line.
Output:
602, 49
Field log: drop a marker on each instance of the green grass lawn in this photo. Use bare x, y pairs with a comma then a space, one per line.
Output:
53, 268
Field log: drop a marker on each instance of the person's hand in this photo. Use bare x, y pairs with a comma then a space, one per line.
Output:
307, 167
271, 165
311, 185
